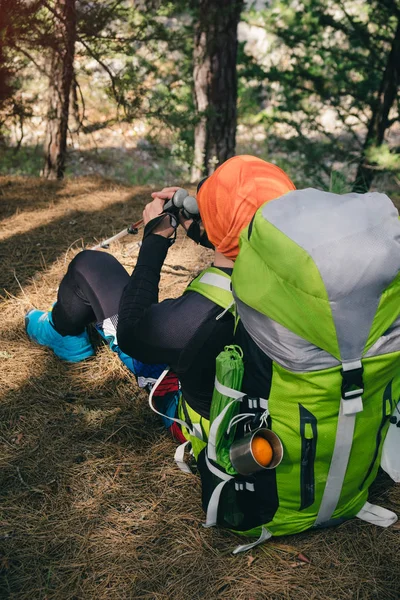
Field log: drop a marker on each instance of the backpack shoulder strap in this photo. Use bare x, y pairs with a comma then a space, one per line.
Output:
215, 285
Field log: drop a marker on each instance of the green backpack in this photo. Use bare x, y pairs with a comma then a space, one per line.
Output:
316, 285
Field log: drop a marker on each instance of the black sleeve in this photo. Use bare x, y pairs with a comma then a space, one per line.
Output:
142, 288
141, 291
147, 330
168, 332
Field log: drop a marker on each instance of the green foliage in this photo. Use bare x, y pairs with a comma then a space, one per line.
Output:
141, 58
155, 169
28, 160
338, 183
19, 22
145, 55
334, 54
384, 158
323, 55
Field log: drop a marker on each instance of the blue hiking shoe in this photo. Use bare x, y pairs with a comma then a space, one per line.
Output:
73, 348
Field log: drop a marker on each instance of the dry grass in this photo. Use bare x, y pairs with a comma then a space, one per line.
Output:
92, 506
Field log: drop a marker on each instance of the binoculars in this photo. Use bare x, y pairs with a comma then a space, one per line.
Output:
181, 202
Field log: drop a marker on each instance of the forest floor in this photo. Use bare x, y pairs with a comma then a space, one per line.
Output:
92, 506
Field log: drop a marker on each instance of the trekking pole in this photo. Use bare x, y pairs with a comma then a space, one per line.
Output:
132, 229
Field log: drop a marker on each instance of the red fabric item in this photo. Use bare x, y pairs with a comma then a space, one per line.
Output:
176, 433
229, 198
170, 383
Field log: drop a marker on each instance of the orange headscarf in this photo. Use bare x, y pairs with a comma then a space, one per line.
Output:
229, 198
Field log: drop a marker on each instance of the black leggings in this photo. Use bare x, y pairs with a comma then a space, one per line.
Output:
90, 292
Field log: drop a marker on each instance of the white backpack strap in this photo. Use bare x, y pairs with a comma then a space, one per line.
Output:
227, 391
180, 458
338, 466
212, 508
265, 535
350, 405
194, 431
216, 471
377, 515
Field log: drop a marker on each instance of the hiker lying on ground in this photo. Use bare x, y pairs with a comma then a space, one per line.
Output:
188, 332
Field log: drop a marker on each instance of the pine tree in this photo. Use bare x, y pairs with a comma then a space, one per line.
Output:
61, 77
215, 83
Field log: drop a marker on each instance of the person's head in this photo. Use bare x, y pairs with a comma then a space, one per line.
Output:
229, 198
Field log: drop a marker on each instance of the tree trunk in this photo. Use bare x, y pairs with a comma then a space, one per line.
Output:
380, 114
62, 72
215, 83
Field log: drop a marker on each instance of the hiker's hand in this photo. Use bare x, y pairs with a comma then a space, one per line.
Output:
154, 209
166, 193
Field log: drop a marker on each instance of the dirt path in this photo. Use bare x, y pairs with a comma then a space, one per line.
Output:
91, 504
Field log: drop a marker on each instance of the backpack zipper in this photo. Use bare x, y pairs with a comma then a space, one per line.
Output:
308, 433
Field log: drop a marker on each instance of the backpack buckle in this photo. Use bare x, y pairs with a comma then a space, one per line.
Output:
352, 381
352, 387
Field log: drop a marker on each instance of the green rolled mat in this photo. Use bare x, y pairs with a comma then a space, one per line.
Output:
229, 372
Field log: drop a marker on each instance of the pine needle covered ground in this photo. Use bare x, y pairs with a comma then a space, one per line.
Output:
91, 504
